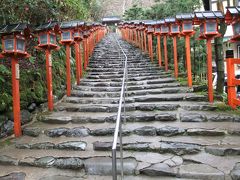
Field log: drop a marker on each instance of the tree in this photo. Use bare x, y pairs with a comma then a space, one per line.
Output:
134, 13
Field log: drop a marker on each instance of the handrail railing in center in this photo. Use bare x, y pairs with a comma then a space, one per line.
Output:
118, 128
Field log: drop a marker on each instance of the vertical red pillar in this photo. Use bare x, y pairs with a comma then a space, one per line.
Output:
230, 85
175, 56
68, 69
145, 42
165, 53
188, 60
150, 46
77, 62
159, 50
85, 53
49, 78
80, 60
16, 97
209, 69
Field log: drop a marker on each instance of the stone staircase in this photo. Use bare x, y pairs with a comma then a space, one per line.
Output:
170, 132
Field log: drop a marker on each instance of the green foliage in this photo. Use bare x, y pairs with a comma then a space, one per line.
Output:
134, 13
33, 86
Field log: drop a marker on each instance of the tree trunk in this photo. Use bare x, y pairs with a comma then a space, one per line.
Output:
219, 52
220, 59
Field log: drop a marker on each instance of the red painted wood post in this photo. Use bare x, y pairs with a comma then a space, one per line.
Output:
165, 53
230, 85
150, 46
80, 60
188, 60
175, 56
16, 97
77, 62
49, 78
85, 53
68, 69
209, 70
159, 50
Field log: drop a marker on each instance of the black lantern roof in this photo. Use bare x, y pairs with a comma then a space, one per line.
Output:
232, 12
15, 28
182, 17
68, 25
150, 23
48, 26
170, 20
209, 15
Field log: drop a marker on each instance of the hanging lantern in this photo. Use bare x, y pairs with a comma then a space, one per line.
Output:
232, 17
13, 39
47, 35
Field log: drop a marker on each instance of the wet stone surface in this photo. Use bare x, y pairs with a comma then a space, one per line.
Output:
68, 163
33, 132
170, 131
160, 169
14, 176
192, 117
179, 148
146, 131
223, 150
7, 160
103, 165
235, 173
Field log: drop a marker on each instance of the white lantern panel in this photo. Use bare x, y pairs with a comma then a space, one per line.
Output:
20, 44
175, 28
211, 27
164, 29
157, 30
76, 34
43, 39
236, 28
66, 35
187, 26
9, 44
53, 39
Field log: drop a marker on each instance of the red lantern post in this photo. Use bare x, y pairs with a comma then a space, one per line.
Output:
67, 39
78, 56
165, 33
150, 30
174, 33
14, 46
157, 32
186, 22
47, 42
208, 22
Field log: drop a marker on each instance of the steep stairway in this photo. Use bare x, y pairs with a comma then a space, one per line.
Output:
170, 132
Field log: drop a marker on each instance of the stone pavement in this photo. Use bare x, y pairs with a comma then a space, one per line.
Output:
170, 132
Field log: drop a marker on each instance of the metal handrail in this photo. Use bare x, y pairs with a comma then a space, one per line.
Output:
118, 128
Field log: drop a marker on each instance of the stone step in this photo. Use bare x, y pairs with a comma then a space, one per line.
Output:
120, 75
82, 131
77, 105
132, 83
119, 78
116, 93
63, 117
130, 88
92, 166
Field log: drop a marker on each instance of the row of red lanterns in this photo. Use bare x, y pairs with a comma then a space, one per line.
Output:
14, 39
182, 25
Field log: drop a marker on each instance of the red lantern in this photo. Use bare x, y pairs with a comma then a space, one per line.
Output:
233, 17
14, 46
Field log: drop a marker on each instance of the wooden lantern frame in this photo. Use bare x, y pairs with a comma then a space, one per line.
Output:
232, 17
